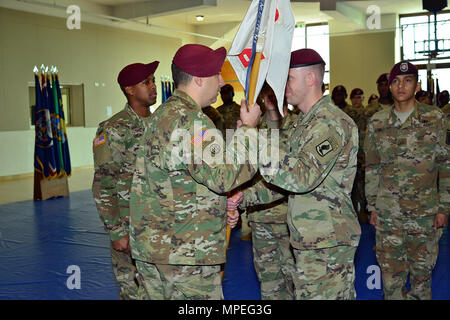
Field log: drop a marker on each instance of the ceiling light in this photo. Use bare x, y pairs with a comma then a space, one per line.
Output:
200, 17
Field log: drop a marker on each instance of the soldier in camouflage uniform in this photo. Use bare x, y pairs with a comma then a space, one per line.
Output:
442, 101
385, 100
338, 95
229, 110
424, 97
114, 151
356, 112
216, 117
406, 150
272, 255
178, 201
317, 166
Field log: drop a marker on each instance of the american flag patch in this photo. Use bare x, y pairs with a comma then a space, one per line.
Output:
199, 138
99, 140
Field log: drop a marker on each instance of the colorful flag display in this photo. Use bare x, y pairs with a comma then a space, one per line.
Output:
51, 155
167, 88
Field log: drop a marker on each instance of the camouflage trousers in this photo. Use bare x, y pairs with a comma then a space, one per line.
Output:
358, 192
273, 260
125, 272
178, 282
406, 245
325, 274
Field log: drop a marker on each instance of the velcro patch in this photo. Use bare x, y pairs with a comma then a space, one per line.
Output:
447, 140
200, 137
324, 148
99, 140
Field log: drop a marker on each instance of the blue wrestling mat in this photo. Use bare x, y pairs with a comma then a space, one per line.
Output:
57, 250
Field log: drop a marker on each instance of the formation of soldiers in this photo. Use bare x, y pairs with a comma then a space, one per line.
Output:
167, 184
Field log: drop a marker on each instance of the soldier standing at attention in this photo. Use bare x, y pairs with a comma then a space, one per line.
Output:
229, 110
272, 255
385, 100
317, 166
338, 95
114, 151
424, 97
442, 101
406, 150
178, 195
356, 112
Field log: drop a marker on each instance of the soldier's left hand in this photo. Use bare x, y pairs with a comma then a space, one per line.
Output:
232, 218
234, 201
440, 221
250, 116
122, 245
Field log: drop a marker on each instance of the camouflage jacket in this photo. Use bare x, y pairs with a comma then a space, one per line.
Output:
446, 109
276, 211
403, 162
114, 151
178, 201
373, 108
317, 166
230, 114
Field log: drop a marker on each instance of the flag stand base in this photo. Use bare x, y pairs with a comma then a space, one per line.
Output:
46, 189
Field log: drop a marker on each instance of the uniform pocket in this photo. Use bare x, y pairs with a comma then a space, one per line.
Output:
311, 222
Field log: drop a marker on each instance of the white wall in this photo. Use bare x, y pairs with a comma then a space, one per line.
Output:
18, 149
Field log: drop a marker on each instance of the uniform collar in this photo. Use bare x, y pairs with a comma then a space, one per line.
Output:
187, 98
303, 118
133, 114
413, 118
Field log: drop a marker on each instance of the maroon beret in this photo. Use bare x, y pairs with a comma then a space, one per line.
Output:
304, 58
383, 77
339, 89
200, 61
136, 72
401, 68
356, 92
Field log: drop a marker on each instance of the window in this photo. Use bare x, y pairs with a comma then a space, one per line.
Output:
314, 36
418, 36
418, 39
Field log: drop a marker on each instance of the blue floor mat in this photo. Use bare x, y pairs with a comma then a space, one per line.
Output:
43, 242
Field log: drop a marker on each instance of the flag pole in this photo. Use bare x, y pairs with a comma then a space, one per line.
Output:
254, 78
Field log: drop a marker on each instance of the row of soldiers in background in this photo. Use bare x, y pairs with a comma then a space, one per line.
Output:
361, 116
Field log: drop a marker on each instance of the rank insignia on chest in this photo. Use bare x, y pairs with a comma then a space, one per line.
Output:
99, 140
324, 148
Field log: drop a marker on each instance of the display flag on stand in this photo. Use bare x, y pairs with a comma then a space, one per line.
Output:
44, 153
64, 141
163, 90
55, 125
261, 49
58, 122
